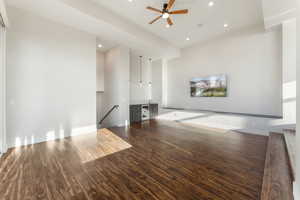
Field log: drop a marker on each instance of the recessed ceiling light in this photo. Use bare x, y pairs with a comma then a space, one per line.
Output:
225, 25
188, 39
100, 46
130, 0
167, 26
211, 4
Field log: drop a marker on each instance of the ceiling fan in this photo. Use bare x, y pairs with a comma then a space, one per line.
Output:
165, 12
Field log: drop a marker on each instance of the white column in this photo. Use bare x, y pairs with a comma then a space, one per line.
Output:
289, 71
164, 83
297, 185
149, 84
3, 146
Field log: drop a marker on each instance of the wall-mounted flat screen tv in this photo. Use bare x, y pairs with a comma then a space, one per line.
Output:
211, 86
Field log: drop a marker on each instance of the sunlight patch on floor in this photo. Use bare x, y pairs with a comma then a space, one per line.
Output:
105, 143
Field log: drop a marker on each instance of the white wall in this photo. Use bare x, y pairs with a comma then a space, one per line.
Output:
139, 92
289, 73
252, 61
51, 80
100, 71
157, 75
297, 185
116, 86
3, 146
151, 87
100, 84
93, 18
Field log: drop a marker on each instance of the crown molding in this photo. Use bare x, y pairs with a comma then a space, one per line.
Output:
278, 19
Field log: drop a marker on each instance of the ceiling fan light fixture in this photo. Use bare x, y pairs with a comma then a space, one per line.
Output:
166, 15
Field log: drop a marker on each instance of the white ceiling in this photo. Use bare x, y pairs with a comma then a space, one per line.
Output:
237, 13
110, 29
119, 22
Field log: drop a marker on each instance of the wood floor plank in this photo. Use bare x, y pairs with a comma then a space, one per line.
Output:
151, 161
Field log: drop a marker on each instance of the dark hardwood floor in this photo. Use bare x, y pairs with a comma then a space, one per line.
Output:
154, 160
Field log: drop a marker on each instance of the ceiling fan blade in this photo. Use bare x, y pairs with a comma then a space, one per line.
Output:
169, 21
170, 4
157, 18
185, 11
153, 9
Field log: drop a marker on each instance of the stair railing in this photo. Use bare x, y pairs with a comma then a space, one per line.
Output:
108, 113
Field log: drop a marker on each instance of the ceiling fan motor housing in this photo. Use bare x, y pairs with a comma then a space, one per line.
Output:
165, 7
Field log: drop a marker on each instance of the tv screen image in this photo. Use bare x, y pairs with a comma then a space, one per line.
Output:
211, 86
